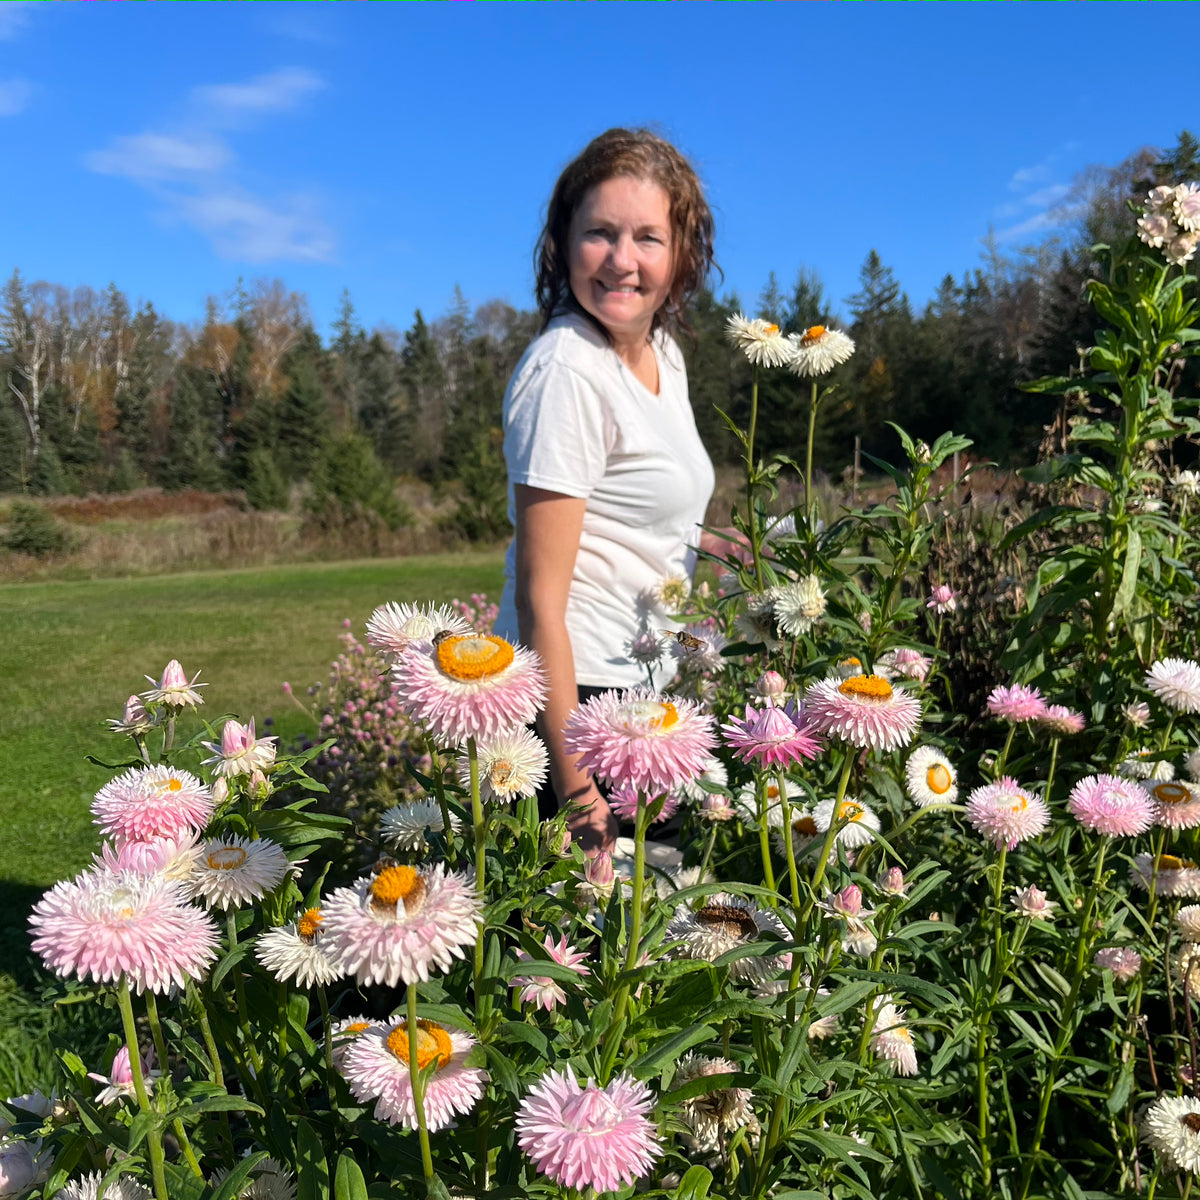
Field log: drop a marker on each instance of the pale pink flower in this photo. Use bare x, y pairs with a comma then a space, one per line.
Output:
891, 1039
1187, 921
1176, 682
891, 882
1187, 207
1016, 703
588, 1137
108, 926
1176, 804
700, 647
647, 648
770, 685
716, 806
542, 990
119, 1080
1032, 903
716, 1114
1006, 813
1137, 714
624, 800
152, 802
864, 710
1168, 875
392, 928
1120, 960
232, 871
942, 599
772, 736
846, 903
173, 857
905, 663
597, 880
1061, 720
135, 720
470, 685
344, 1033
1181, 248
1155, 228
651, 742
394, 628
376, 1066
1111, 805
239, 752
174, 688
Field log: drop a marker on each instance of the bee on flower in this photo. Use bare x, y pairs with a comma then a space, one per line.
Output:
760, 341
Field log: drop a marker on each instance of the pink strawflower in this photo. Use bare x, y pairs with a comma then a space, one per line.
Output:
393, 927
637, 737
173, 857
1111, 805
905, 662
109, 926
1032, 903
119, 1080
716, 806
1016, 703
542, 990
393, 628
1176, 682
864, 710
1006, 813
1137, 713
588, 1137
470, 685
1061, 720
891, 882
942, 599
623, 801
174, 688
152, 802
846, 903
376, 1066
772, 736
1120, 960
1176, 804
239, 752
134, 721
771, 685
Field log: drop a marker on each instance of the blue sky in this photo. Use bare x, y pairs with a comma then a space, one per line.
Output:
399, 150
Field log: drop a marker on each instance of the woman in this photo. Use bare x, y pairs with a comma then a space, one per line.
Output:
608, 479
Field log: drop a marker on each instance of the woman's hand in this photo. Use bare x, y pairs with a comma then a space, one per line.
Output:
594, 827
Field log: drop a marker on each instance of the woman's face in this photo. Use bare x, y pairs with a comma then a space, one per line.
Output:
620, 255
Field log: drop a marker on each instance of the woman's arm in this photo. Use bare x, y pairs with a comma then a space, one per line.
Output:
548, 529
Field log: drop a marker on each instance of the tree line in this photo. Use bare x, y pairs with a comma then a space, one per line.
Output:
100, 396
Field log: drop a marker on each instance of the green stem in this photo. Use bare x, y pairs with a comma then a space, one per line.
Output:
764, 833
418, 1089
327, 1028
1050, 772
154, 1137
160, 1047
785, 810
808, 459
439, 789
210, 1043
708, 849
479, 821
1008, 741
827, 845
983, 1024
239, 989
751, 515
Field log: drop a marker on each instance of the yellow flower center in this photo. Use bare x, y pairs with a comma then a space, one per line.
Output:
501, 773
850, 662
938, 780
850, 811
1171, 793
1019, 806
474, 656
355, 1028
805, 826
433, 1042
394, 884
901, 1032
814, 333
1168, 862
122, 904
226, 858
174, 785
770, 330
309, 924
867, 687
772, 791
653, 715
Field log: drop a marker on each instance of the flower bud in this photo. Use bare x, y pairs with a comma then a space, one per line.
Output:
556, 838
220, 789
891, 882
848, 902
771, 685
716, 807
598, 870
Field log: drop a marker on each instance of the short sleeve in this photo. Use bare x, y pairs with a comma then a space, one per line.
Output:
556, 431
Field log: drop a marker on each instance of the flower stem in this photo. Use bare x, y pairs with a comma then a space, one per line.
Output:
418, 1088
439, 788
239, 989
154, 1137
160, 1047
808, 460
216, 1075
983, 1026
751, 515
785, 810
479, 822
827, 845
1050, 772
764, 835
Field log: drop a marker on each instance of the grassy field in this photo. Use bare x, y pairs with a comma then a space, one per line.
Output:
70, 654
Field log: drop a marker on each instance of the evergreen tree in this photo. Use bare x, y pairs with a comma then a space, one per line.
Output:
424, 381
304, 420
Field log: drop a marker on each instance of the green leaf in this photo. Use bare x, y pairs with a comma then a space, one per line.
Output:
1129, 573
235, 956
231, 1185
348, 1181
668, 1049
312, 1170
695, 1184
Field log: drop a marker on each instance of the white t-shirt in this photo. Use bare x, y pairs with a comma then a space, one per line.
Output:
579, 422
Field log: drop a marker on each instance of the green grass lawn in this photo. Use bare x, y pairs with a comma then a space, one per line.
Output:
70, 654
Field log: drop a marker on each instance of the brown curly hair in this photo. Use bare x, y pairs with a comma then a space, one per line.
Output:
638, 154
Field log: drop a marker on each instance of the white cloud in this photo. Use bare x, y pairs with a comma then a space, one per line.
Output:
246, 228
1051, 194
1037, 199
163, 156
276, 92
14, 96
13, 18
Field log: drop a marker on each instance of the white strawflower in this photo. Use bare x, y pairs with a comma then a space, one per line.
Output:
1172, 1127
511, 765
799, 606
233, 871
1187, 921
1187, 207
1187, 482
759, 340
1176, 682
404, 825
818, 350
1155, 228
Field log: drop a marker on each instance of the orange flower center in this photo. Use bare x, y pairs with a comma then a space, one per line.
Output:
850, 811
867, 687
501, 773
394, 884
770, 330
474, 656
226, 858
433, 1043
1020, 806
175, 785
1168, 862
309, 924
653, 715
355, 1028
938, 780
772, 791
814, 333
805, 826
1172, 793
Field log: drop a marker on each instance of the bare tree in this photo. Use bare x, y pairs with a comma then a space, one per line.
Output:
277, 320
25, 335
